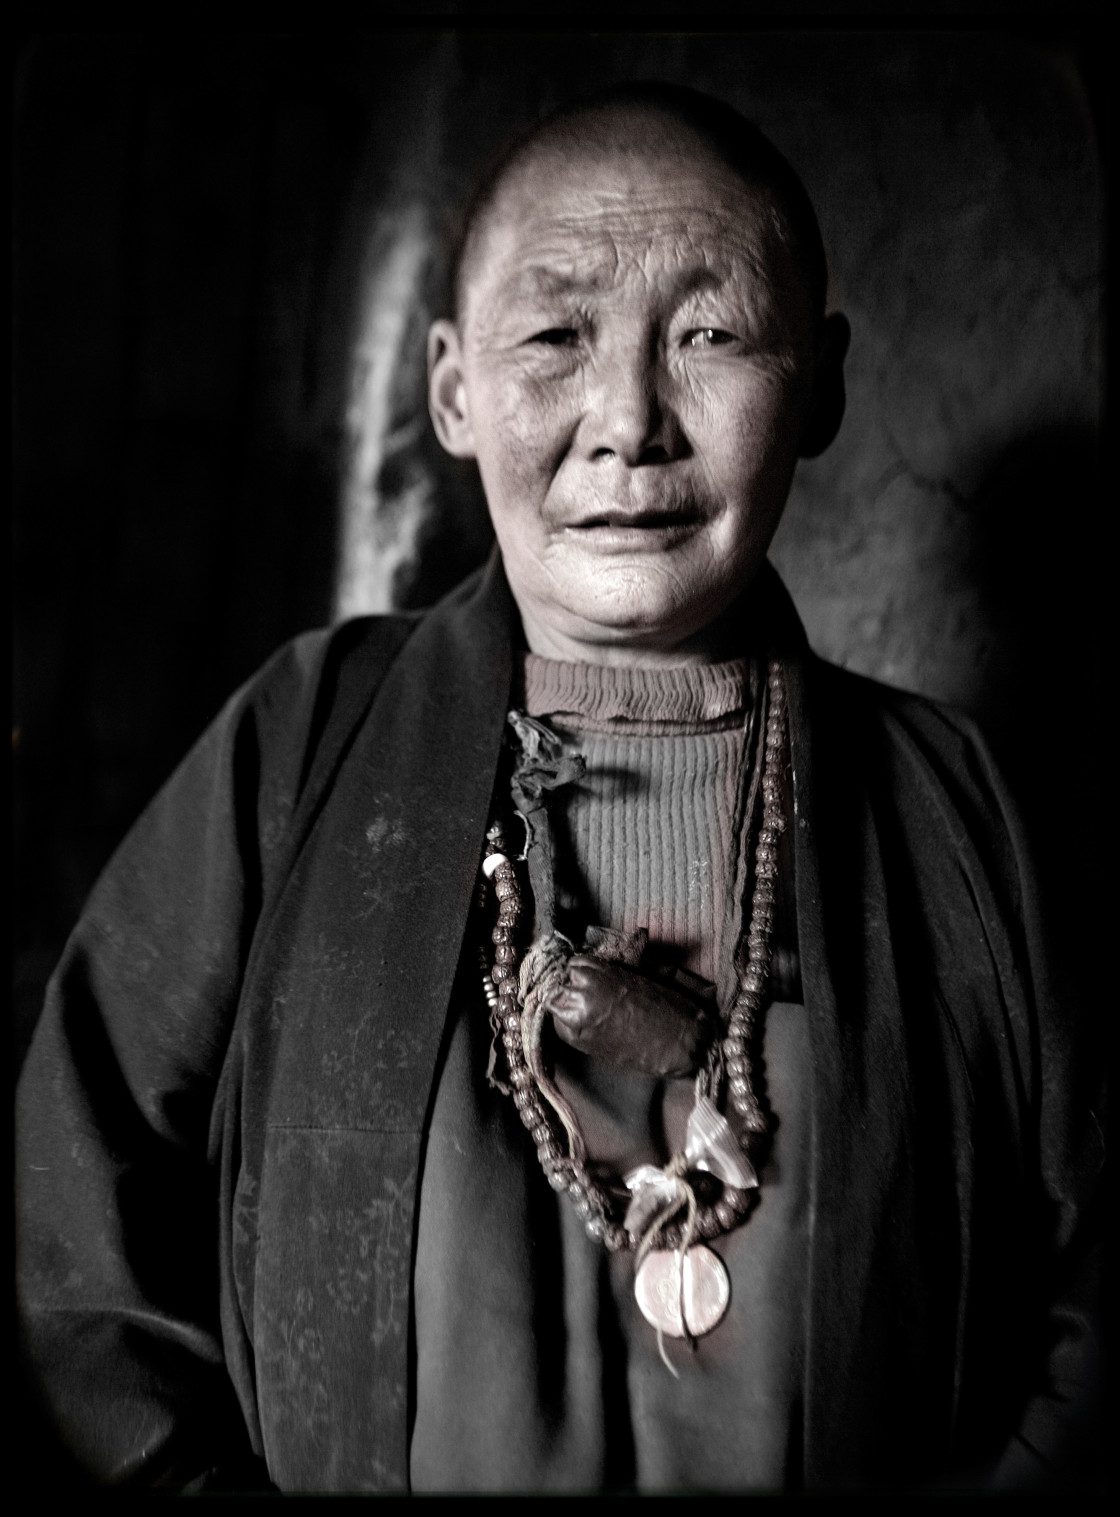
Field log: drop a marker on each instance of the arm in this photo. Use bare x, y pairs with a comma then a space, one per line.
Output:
117, 1169
1049, 1053
1057, 1443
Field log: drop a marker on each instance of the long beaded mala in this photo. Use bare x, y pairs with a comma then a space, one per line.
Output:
509, 995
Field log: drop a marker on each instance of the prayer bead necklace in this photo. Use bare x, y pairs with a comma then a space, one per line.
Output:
564, 1162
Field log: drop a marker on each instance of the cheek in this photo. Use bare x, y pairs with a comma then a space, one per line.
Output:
521, 426
747, 434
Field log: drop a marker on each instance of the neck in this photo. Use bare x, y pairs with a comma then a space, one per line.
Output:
727, 637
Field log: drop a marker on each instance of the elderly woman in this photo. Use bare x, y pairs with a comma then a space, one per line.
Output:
656, 1085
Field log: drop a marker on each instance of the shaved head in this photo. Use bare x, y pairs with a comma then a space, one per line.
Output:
666, 119
639, 356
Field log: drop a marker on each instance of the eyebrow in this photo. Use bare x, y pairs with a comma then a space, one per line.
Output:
544, 280
540, 279
700, 279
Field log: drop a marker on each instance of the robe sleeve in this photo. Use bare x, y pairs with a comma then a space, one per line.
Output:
117, 1172
1057, 1443
1052, 1056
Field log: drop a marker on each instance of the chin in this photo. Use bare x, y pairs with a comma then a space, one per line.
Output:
634, 600
637, 623
624, 613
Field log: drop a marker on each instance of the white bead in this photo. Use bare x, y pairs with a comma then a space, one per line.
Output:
492, 862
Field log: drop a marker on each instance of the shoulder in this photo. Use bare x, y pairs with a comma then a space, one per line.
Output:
857, 741
317, 662
237, 789
310, 684
926, 741
278, 736
344, 664
840, 692
925, 771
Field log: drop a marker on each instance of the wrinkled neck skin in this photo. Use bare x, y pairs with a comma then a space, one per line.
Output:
727, 636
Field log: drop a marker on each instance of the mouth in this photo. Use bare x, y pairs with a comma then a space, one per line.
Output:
614, 529
627, 531
613, 520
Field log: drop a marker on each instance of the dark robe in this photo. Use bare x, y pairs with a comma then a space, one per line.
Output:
242, 1039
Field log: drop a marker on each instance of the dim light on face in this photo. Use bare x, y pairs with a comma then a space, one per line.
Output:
633, 369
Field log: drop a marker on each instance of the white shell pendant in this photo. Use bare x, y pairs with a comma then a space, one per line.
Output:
706, 1290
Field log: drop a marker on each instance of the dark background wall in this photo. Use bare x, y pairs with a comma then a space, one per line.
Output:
226, 249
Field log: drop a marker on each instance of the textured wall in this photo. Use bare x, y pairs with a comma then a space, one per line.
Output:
225, 255
957, 188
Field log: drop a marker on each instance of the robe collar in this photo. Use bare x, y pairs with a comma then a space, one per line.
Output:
418, 781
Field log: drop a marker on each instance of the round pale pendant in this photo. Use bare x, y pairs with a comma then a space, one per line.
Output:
705, 1290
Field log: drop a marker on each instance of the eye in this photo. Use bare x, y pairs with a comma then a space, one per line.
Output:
708, 337
555, 337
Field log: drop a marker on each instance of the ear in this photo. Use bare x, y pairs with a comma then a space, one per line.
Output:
447, 391
827, 410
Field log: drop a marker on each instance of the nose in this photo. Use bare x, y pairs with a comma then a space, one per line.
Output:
628, 413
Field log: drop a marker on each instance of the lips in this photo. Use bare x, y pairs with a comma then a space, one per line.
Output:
651, 519
614, 532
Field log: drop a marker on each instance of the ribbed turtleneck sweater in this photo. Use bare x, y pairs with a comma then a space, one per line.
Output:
535, 1370
644, 839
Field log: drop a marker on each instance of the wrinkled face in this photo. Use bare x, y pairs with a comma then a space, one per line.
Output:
632, 369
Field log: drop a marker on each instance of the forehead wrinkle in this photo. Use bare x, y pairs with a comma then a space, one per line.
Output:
621, 153
693, 264
642, 202
582, 240
641, 215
